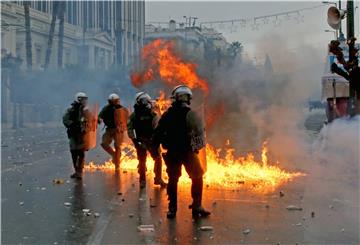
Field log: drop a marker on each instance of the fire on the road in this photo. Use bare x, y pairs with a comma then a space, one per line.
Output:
224, 170
160, 61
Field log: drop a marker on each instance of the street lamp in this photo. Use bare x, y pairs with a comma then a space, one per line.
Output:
335, 35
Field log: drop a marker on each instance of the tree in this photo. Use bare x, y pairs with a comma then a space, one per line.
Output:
234, 49
51, 34
61, 13
28, 35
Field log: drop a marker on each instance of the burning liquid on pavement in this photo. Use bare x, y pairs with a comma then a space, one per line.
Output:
224, 170
161, 61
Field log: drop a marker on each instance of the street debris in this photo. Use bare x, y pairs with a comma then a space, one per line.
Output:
146, 228
294, 208
246, 231
206, 228
67, 204
281, 193
96, 215
58, 181
21, 203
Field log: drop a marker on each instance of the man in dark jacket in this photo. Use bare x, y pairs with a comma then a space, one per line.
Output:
114, 117
74, 120
181, 132
141, 125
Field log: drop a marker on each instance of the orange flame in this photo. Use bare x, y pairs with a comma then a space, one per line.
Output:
162, 103
224, 170
161, 63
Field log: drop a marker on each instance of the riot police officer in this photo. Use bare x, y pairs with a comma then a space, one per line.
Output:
141, 125
114, 116
74, 120
183, 139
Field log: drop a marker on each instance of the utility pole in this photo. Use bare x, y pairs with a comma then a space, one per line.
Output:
350, 19
349, 36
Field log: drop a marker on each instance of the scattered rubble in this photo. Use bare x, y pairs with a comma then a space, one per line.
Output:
146, 228
206, 228
294, 208
58, 181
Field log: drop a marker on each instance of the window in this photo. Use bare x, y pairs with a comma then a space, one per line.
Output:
38, 55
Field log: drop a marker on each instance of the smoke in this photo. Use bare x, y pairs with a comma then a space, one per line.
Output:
337, 147
265, 105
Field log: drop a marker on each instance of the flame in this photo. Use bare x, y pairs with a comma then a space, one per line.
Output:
162, 103
161, 63
224, 170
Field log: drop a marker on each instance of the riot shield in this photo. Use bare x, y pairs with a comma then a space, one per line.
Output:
90, 126
121, 116
196, 132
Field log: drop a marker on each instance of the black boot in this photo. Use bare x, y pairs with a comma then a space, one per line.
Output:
196, 193
172, 196
171, 214
200, 212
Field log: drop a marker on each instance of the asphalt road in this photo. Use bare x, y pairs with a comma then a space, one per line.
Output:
37, 211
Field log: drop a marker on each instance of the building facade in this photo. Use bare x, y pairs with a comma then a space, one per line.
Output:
194, 40
97, 34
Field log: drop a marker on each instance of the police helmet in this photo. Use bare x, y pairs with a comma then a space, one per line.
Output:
180, 90
79, 96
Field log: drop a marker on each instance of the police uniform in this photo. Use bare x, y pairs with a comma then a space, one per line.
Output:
141, 125
74, 119
183, 141
112, 132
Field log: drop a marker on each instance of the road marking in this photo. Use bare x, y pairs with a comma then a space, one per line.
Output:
104, 219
